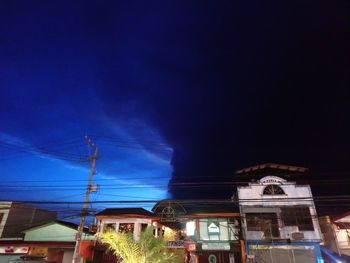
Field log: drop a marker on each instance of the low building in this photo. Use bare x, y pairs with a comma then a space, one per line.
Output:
279, 219
53, 242
207, 232
127, 220
15, 217
134, 220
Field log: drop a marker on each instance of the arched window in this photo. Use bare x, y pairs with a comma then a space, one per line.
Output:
273, 189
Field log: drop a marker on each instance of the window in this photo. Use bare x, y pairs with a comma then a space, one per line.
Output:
126, 227
143, 227
265, 222
297, 216
108, 228
273, 189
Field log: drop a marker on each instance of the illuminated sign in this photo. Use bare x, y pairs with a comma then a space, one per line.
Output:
216, 246
190, 228
213, 228
169, 211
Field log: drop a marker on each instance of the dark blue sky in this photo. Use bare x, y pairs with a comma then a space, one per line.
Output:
179, 89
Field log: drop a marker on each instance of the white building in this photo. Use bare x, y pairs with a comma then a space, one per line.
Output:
279, 221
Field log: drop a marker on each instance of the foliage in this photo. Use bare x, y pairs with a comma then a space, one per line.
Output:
148, 249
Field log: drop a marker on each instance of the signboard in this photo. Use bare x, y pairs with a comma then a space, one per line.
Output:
272, 180
176, 244
169, 211
213, 228
216, 246
281, 247
13, 250
38, 251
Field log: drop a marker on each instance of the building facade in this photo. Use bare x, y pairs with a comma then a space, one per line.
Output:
14, 219
208, 233
126, 220
279, 221
55, 241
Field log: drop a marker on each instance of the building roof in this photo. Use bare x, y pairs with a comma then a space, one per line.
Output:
63, 223
342, 225
272, 169
342, 218
124, 211
187, 208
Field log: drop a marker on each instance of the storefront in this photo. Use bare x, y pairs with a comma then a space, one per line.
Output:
283, 252
211, 233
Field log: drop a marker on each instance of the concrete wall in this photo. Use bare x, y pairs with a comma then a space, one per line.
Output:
252, 200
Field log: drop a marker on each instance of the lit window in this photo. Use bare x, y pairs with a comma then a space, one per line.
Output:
190, 228
126, 227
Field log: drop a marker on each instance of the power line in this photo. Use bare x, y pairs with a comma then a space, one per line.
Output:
200, 201
225, 183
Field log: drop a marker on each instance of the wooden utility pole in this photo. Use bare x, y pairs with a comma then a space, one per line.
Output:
93, 158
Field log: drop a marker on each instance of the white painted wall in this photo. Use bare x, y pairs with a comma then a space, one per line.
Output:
252, 200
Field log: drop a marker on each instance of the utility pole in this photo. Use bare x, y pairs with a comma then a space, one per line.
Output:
93, 158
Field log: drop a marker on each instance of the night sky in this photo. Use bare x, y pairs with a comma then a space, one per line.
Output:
186, 91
